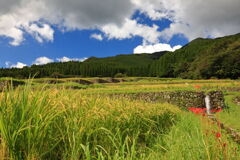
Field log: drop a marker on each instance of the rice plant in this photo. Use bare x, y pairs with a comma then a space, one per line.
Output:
54, 123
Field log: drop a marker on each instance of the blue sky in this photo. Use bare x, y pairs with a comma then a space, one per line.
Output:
40, 32
78, 44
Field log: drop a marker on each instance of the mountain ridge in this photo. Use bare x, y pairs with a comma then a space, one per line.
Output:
199, 59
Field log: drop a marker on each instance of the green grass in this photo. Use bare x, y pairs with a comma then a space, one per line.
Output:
47, 121
67, 85
193, 137
58, 124
173, 85
230, 116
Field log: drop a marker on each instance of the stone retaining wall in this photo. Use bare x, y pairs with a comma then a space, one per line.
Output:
217, 99
183, 99
98, 80
237, 100
6, 83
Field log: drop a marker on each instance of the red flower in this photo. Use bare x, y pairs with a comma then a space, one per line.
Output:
197, 86
218, 135
202, 111
216, 110
197, 110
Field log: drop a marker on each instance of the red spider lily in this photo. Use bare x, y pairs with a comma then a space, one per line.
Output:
197, 110
197, 86
216, 110
203, 110
218, 135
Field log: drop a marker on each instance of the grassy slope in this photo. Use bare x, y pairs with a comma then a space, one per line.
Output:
230, 117
194, 137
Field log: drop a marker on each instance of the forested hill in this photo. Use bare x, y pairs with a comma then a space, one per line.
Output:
200, 59
203, 59
130, 65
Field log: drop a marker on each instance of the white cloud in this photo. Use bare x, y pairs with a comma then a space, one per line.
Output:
155, 48
176, 48
97, 36
193, 18
41, 33
23, 16
8, 29
18, 65
131, 28
34, 17
153, 8
66, 59
7, 63
43, 60
18, 17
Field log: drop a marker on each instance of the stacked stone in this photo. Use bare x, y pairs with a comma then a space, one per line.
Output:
217, 99
183, 99
237, 100
99, 81
3, 84
6, 83
81, 81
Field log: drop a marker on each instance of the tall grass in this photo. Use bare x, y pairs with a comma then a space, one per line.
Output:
57, 124
194, 137
26, 120
66, 124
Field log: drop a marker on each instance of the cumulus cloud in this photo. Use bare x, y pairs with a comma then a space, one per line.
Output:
66, 59
113, 18
7, 63
97, 36
23, 16
193, 18
155, 48
18, 65
153, 8
18, 17
131, 28
42, 61
41, 33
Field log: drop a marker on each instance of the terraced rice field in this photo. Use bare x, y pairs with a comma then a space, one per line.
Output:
69, 120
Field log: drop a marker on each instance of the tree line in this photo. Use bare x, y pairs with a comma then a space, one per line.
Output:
200, 59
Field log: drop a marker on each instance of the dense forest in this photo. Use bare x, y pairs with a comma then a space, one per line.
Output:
200, 59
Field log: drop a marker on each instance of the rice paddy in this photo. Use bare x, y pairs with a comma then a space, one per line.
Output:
60, 121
